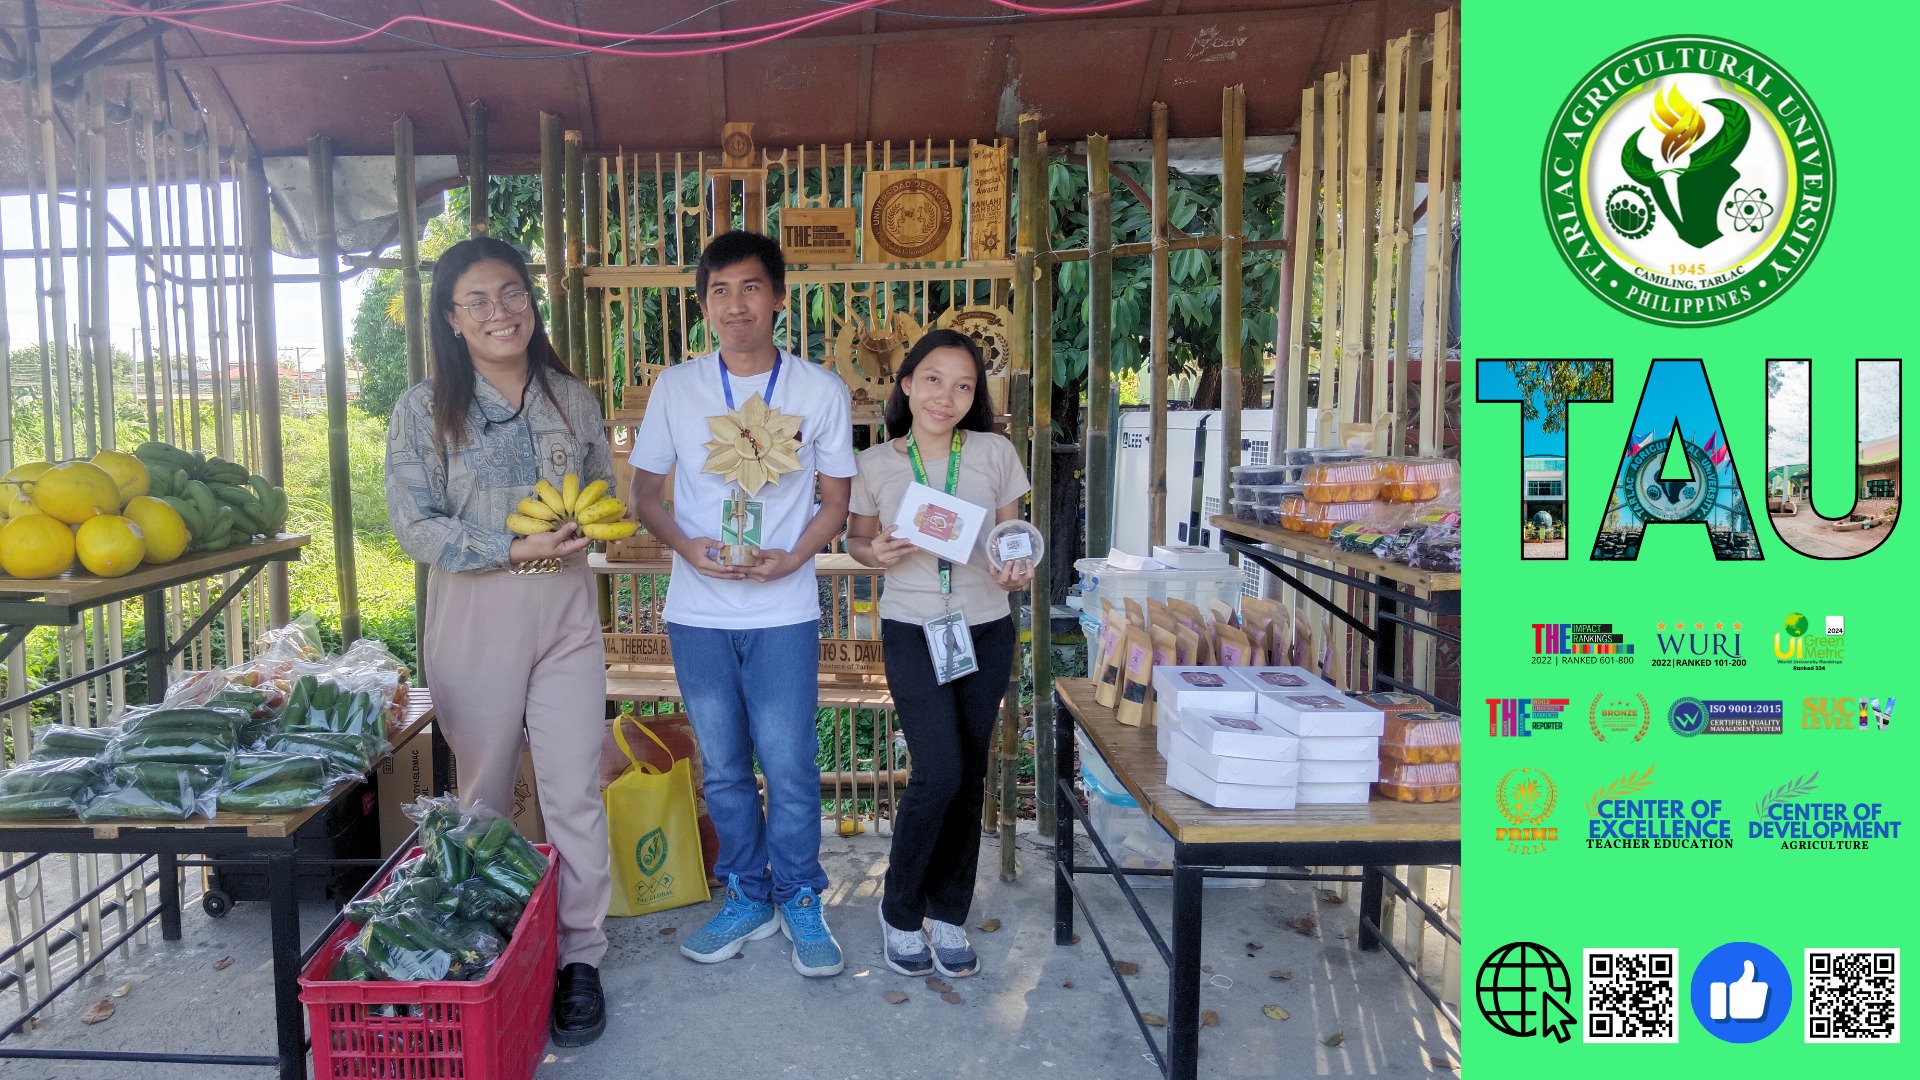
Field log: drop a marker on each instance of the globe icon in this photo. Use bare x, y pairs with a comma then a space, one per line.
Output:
1508, 981
1796, 625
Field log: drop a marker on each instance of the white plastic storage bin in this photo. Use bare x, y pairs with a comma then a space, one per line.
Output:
1135, 840
1197, 587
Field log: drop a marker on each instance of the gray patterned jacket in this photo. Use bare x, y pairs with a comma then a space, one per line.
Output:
451, 510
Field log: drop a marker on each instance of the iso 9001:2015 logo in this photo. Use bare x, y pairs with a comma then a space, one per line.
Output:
1688, 180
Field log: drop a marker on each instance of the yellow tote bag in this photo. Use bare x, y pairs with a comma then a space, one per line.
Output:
654, 833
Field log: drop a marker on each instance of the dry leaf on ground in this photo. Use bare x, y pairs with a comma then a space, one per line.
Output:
938, 985
666, 930
988, 925
1068, 985
952, 998
1278, 974
1328, 896
1209, 1018
1275, 1012
1207, 968
98, 1011
1126, 967
1153, 1020
123, 991
1306, 924
1076, 939
223, 963
1334, 1039
895, 997
1255, 945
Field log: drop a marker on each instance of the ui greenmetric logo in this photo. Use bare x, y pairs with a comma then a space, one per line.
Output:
1688, 180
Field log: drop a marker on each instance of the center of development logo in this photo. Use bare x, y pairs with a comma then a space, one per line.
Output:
1688, 180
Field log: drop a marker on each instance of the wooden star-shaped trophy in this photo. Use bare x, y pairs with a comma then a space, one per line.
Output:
752, 446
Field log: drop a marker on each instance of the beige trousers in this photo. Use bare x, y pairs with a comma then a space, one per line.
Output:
518, 661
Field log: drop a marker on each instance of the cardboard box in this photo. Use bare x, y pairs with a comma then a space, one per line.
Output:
1321, 794
1214, 688
1339, 772
1321, 714
407, 774
1283, 680
1184, 777
1339, 747
1232, 770
1239, 735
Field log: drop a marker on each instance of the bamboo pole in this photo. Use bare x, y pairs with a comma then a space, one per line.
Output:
1441, 156
572, 162
56, 289
81, 199
1040, 617
1233, 180
477, 176
1402, 340
257, 233
1357, 208
97, 255
593, 316
1396, 185
1099, 441
1162, 296
326, 246
406, 197
1333, 88
553, 231
1297, 217
163, 360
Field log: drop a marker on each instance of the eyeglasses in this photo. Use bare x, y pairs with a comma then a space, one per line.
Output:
512, 303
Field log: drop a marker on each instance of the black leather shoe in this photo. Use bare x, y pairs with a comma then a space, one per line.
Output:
579, 1009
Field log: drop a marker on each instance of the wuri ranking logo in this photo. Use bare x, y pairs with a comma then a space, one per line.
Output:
1688, 180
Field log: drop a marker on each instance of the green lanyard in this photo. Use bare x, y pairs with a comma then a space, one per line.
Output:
953, 485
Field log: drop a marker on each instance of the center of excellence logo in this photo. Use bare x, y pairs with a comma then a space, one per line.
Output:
1687, 180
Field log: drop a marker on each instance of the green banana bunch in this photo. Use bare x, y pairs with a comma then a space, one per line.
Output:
200, 488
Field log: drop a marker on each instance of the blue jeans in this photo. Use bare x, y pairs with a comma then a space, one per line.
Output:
753, 693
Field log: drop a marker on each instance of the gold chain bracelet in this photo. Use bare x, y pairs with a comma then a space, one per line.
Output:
535, 566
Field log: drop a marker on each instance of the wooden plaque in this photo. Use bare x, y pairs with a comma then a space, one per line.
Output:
810, 235
914, 215
987, 202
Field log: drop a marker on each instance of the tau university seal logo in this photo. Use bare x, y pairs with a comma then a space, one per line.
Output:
1688, 181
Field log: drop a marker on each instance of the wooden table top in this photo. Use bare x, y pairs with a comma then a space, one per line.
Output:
77, 591
1313, 547
277, 826
1135, 758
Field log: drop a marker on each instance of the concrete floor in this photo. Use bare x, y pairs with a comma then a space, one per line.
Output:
1036, 1010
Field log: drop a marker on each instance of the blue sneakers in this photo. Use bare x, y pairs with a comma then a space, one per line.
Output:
740, 920
953, 955
814, 950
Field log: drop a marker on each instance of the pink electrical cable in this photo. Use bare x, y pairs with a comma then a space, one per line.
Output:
116, 7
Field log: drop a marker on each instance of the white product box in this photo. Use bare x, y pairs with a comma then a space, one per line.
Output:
1232, 770
1284, 680
1239, 735
1339, 772
1192, 558
1308, 794
1166, 723
1339, 748
1184, 777
1201, 688
1321, 714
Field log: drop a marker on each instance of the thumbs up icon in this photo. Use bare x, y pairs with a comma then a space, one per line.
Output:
1744, 999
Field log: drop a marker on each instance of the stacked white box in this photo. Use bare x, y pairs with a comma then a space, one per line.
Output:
1283, 680
1232, 760
1339, 743
1182, 688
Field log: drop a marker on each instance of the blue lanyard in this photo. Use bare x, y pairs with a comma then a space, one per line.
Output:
726, 387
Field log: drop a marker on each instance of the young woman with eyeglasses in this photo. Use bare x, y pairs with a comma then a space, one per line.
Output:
511, 645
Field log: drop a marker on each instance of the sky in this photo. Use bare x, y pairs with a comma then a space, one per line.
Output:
1496, 380
296, 306
1787, 413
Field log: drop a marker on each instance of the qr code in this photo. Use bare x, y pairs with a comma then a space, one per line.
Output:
1853, 995
1630, 996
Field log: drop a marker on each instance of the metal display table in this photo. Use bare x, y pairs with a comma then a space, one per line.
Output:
1375, 836
268, 838
1395, 588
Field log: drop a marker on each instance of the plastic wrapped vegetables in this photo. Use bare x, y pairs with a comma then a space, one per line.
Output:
53, 787
501, 857
318, 704
270, 782
196, 736
153, 791
67, 741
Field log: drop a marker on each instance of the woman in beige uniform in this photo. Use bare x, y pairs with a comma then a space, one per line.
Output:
512, 648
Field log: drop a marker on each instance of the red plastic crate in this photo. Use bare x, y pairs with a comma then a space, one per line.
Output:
494, 1029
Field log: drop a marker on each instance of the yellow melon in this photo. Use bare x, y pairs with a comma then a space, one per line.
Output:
35, 546
74, 491
110, 545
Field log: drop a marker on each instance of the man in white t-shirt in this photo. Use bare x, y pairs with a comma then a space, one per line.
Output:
746, 640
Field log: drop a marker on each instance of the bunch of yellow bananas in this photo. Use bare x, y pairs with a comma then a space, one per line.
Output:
597, 513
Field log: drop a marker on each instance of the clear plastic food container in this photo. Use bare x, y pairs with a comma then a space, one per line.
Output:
1418, 479
1419, 738
1343, 481
1321, 517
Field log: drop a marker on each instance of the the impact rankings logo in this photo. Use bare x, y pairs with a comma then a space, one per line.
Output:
1687, 180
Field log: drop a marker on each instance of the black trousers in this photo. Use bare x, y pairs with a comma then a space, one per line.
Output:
936, 830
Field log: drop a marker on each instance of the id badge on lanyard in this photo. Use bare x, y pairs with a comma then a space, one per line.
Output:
949, 641
742, 527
